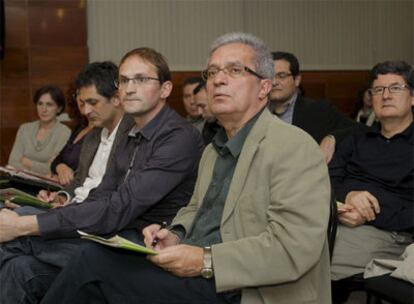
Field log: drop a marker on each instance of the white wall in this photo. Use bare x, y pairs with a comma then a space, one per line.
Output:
324, 34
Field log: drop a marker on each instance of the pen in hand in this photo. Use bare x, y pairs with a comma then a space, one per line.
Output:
156, 239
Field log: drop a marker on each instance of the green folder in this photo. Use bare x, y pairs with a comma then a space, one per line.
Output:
22, 198
118, 242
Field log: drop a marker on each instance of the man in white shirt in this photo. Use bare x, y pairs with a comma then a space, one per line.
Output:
98, 95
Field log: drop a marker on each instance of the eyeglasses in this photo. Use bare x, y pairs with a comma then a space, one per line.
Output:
232, 70
282, 75
392, 89
122, 82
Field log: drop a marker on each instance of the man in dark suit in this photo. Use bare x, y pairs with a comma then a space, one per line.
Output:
318, 118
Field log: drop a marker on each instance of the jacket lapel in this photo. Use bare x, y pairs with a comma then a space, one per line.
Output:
92, 146
244, 162
125, 126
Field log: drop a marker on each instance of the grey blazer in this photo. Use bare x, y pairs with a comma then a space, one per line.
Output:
90, 146
274, 220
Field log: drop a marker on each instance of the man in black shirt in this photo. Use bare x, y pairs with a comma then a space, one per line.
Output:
372, 174
151, 176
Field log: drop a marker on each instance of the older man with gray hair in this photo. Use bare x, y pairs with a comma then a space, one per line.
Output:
255, 228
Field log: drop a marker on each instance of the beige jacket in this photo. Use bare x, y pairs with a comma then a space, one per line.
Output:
275, 217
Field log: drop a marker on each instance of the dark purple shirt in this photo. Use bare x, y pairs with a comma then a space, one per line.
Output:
150, 189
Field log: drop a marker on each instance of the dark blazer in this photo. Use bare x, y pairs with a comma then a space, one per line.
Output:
320, 118
89, 148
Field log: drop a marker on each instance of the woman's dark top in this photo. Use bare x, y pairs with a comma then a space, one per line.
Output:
69, 155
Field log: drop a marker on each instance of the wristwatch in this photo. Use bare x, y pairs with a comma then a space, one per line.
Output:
207, 271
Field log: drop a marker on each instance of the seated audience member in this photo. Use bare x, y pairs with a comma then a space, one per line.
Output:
211, 125
372, 173
365, 114
193, 112
66, 162
318, 118
37, 143
255, 229
97, 99
150, 176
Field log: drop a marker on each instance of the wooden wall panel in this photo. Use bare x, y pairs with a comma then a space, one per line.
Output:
16, 14
48, 25
15, 68
45, 44
58, 65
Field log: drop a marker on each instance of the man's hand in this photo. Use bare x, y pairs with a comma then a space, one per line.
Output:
11, 205
65, 174
351, 218
8, 225
13, 226
53, 198
364, 202
181, 260
327, 146
164, 236
47, 196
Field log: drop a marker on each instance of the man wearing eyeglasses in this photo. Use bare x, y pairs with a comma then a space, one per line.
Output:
372, 172
255, 229
151, 176
318, 118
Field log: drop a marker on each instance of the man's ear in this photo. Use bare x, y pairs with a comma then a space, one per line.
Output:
265, 88
166, 89
115, 100
298, 79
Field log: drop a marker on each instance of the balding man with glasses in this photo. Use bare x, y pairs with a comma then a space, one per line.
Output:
318, 118
255, 228
372, 173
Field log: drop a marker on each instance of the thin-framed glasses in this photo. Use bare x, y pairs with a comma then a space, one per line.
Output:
232, 70
122, 82
392, 89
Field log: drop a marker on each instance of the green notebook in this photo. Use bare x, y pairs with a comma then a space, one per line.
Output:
22, 198
118, 242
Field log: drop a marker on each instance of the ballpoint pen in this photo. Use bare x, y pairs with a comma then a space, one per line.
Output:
156, 240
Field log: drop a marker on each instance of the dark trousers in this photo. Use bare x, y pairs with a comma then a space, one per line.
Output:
101, 274
29, 265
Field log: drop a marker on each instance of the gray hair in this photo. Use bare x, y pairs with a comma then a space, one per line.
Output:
262, 58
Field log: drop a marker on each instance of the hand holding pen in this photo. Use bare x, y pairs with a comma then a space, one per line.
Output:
156, 239
159, 237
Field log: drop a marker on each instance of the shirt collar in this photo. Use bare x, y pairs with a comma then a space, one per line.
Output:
223, 145
111, 137
287, 105
149, 129
375, 130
